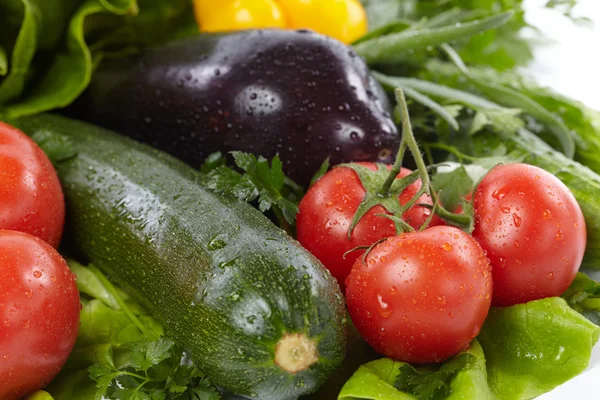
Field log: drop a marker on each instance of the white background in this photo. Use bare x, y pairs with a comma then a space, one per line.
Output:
570, 63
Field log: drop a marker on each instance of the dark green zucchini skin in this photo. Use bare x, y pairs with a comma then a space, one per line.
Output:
225, 281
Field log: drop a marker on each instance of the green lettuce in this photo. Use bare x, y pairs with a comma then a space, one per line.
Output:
49, 48
521, 352
534, 347
378, 380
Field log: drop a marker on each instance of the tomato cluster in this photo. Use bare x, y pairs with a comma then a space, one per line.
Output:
345, 20
422, 296
39, 301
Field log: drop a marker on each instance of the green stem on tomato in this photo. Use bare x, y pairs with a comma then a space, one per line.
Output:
385, 188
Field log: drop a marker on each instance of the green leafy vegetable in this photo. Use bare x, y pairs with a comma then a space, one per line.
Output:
149, 370
394, 47
462, 377
534, 347
431, 385
118, 340
50, 47
259, 182
452, 186
584, 297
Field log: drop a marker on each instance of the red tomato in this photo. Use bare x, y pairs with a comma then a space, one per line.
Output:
31, 199
39, 313
533, 231
421, 297
326, 212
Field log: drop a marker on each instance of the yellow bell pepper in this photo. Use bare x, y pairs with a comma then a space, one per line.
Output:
345, 20
233, 15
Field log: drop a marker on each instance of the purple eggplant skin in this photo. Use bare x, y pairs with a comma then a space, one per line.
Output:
297, 93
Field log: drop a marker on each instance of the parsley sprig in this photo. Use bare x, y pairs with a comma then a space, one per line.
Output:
257, 182
149, 371
431, 384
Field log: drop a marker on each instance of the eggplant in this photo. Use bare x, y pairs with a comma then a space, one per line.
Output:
300, 94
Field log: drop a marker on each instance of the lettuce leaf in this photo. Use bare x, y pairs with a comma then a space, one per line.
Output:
49, 48
522, 352
376, 380
534, 347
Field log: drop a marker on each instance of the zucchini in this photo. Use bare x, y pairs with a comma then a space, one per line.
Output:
582, 181
256, 312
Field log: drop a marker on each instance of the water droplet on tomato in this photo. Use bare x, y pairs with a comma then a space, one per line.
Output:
28, 293
559, 234
424, 293
502, 262
447, 246
547, 214
441, 300
516, 244
499, 194
475, 331
505, 210
37, 274
393, 290
551, 276
517, 220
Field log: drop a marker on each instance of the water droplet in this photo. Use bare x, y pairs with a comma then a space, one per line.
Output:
502, 262
441, 300
551, 276
424, 293
447, 246
499, 194
28, 293
37, 274
505, 209
516, 244
384, 308
517, 220
547, 214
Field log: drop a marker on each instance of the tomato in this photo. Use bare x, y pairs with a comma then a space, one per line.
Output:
233, 15
326, 212
345, 20
39, 313
31, 199
533, 231
421, 297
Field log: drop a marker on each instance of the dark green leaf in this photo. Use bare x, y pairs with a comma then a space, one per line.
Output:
584, 297
431, 384
57, 148
213, 161
320, 172
452, 186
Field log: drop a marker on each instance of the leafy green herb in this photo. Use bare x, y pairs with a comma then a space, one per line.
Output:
121, 352
320, 172
431, 385
584, 297
266, 184
452, 186
149, 370
394, 48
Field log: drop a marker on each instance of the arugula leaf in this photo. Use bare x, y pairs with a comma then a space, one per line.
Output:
584, 297
431, 385
259, 182
394, 48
